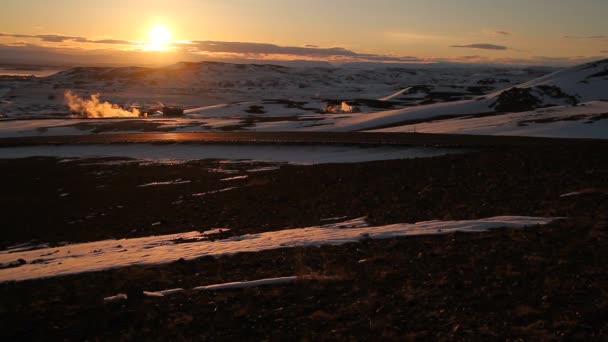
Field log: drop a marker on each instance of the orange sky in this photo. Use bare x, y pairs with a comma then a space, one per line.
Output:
515, 31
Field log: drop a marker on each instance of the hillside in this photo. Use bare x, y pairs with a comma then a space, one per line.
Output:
566, 90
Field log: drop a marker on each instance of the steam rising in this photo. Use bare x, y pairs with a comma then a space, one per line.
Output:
93, 108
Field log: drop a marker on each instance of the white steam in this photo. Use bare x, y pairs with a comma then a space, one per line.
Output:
93, 108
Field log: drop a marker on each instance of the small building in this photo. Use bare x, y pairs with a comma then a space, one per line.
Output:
173, 111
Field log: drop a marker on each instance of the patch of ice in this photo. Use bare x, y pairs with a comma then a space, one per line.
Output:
163, 292
215, 231
107, 254
584, 192
245, 284
333, 218
201, 194
264, 169
234, 178
173, 182
360, 222
570, 194
395, 95
118, 297
28, 246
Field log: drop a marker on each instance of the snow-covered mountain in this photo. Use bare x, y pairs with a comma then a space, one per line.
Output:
230, 97
566, 88
254, 80
193, 85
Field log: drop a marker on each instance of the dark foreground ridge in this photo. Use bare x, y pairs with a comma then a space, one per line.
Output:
541, 283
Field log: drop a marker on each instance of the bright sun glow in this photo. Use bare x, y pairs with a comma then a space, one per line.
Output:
159, 38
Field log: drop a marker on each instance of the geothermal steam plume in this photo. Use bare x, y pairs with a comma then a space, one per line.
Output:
93, 108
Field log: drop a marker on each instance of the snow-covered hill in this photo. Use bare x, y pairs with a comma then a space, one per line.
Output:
567, 88
231, 97
193, 85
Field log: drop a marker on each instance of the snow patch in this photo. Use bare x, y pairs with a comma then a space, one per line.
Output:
246, 284
234, 178
173, 182
116, 298
163, 292
152, 250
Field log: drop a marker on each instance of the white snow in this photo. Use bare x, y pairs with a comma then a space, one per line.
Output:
173, 182
234, 178
215, 231
116, 298
296, 154
369, 121
574, 81
264, 169
163, 292
271, 98
584, 192
219, 287
360, 222
245, 284
101, 255
566, 122
577, 81
395, 95
571, 194
201, 194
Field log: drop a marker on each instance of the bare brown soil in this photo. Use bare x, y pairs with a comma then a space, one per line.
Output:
546, 283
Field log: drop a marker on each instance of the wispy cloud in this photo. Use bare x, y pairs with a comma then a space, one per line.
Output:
110, 41
57, 38
533, 60
242, 49
482, 46
494, 33
67, 50
260, 49
587, 37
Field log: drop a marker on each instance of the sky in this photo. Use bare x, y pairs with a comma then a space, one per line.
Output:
551, 32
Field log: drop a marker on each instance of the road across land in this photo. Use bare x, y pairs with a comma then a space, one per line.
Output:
360, 138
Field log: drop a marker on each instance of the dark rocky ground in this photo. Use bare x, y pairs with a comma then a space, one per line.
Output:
545, 283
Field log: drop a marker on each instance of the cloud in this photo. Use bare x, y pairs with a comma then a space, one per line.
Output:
270, 49
470, 57
527, 61
494, 33
110, 41
57, 38
242, 49
261, 49
58, 52
61, 55
482, 46
587, 37
54, 38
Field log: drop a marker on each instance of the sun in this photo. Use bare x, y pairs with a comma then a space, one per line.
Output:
159, 38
